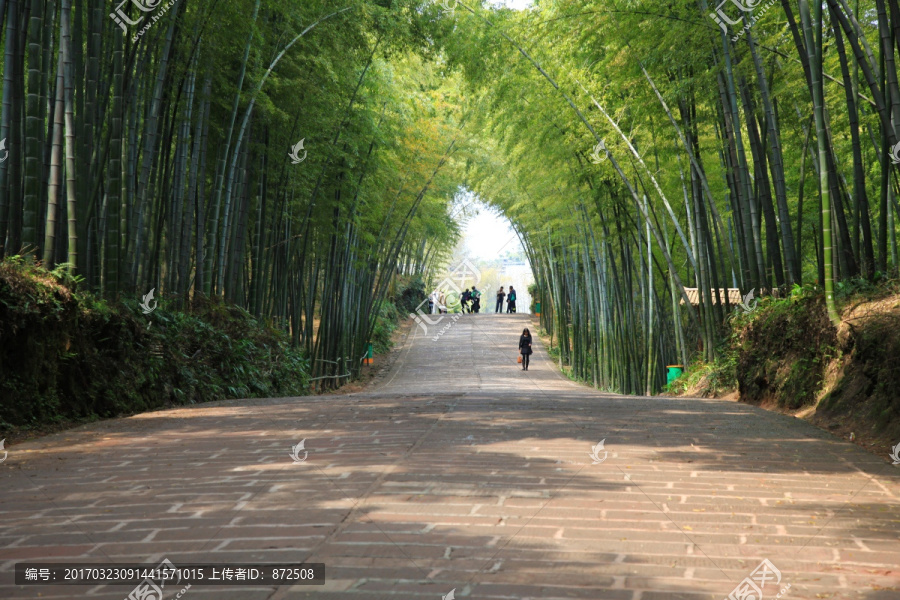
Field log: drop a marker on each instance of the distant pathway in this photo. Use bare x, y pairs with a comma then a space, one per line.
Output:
460, 471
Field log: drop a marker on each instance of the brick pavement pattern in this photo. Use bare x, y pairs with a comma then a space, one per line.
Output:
459, 471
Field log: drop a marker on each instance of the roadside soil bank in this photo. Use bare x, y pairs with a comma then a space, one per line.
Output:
846, 380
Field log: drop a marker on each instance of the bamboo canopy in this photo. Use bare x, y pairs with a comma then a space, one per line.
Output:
693, 294
147, 151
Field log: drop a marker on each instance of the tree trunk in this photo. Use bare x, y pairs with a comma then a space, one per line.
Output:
55, 180
34, 120
6, 121
813, 33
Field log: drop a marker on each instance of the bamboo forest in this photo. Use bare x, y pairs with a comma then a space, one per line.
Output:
294, 159
475, 299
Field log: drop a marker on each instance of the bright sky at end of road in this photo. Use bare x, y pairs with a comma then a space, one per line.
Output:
489, 235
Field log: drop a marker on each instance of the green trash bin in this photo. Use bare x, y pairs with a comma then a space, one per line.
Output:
370, 354
537, 309
674, 372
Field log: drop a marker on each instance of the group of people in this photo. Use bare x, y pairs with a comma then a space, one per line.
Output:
510, 300
470, 301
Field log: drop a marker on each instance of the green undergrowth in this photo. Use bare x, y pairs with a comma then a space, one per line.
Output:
408, 294
386, 323
776, 353
783, 349
709, 378
67, 355
786, 353
567, 370
404, 299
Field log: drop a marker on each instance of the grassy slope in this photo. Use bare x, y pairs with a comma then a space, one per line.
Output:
787, 356
67, 356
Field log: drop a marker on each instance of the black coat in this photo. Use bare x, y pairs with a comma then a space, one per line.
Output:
525, 345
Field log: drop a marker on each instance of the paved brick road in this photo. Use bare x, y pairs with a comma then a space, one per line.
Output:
460, 471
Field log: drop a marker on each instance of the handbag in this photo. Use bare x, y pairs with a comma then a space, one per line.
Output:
519, 359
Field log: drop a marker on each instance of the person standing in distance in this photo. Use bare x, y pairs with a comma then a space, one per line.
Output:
511, 300
501, 294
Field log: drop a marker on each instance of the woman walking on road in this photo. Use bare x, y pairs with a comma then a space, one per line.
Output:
525, 348
500, 296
